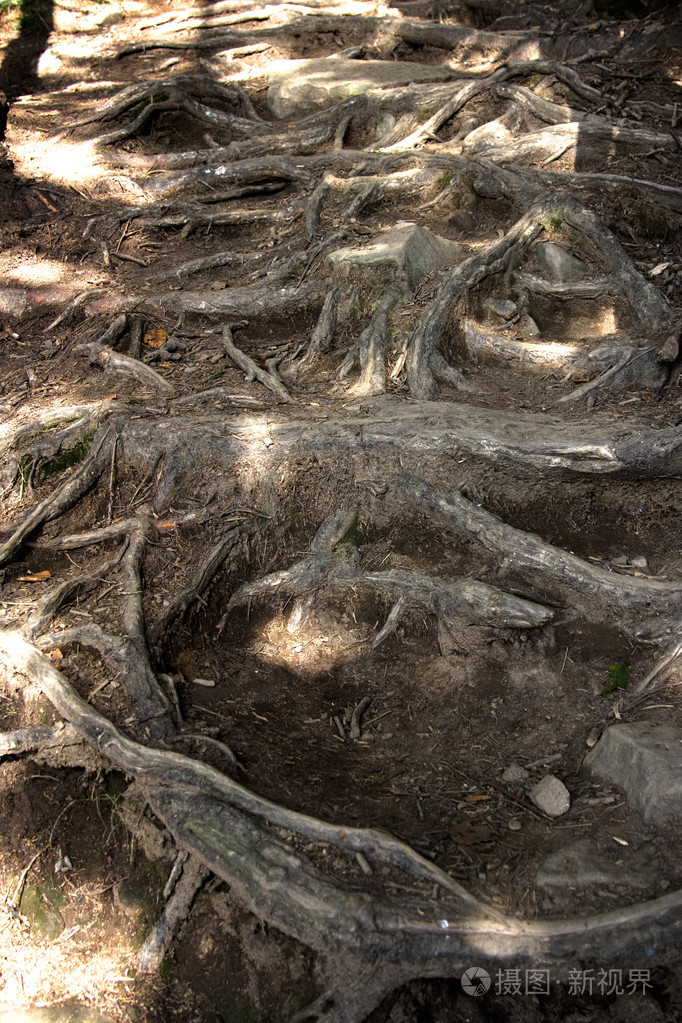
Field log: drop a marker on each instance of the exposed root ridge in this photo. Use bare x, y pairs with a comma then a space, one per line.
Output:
230, 830
452, 602
526, 551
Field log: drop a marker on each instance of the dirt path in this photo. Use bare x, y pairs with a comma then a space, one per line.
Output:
341, 511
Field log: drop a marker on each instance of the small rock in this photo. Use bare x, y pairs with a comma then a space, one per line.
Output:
501, 307
515, 773
462, 222
620, 560
514, 824
639, 562
560, 263
591, 401
594, 737
527, 326
385, 125
551, 796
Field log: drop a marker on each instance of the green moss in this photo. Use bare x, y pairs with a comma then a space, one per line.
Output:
65, 459
426, 112
165, 967
444, 180
553, 222
533, 81
619, 676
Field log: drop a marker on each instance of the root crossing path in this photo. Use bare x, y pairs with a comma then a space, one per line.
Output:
340, 455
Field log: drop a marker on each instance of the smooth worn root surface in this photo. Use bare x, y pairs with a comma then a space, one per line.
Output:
340, 472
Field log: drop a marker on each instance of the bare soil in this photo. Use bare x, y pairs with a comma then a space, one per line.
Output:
263, 689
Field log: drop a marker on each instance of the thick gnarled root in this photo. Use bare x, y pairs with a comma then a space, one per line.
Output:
453, 603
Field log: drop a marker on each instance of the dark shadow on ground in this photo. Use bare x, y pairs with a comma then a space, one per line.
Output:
19, 60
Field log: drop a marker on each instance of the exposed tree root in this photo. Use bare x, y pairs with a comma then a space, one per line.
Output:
452, 602
525, 551
67, 495
230, 831
369, 349
269, 377
174, 914
653, 312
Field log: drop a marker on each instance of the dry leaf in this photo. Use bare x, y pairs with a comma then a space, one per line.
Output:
156, 338
56, 654
218, 286
185, 664
466, 833
477, 799
35, 577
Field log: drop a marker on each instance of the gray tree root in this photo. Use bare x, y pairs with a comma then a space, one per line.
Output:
174, 915
230, 830
67, 495
524, 440
322, 338
369, 349
647, 304
526, 551
268, 377
114, 362
233, 303
452, 602
611, 367
202, 579
37, 737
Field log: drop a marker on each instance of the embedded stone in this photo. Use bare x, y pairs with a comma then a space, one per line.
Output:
514, 774
560, 263
582, 864
501, 307
414, 251
645, 760
385, 125
298, 87
551, 796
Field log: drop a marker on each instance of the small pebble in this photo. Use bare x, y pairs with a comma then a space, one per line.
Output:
515, 773
514, 824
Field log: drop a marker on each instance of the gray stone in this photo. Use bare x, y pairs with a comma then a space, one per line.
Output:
645, 760
298, 87
639, 562
582, 865
414, 251
501, 307
462, 222
385, 125
551, 796
560, 263
527, 326
515, 773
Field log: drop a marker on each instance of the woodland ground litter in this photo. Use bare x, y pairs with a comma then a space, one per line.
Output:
267, 550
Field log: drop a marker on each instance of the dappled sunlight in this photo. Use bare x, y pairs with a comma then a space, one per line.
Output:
17, 268
33, 970
309, 644
78, 164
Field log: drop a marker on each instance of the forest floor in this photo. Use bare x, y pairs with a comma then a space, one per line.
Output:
340, 460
